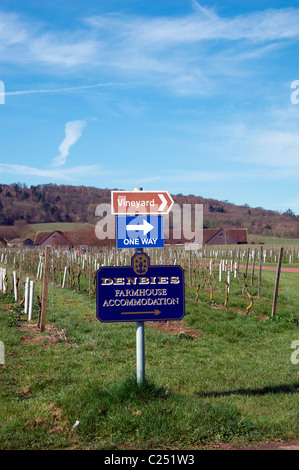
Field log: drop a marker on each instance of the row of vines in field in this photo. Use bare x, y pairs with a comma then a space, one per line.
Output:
213, 275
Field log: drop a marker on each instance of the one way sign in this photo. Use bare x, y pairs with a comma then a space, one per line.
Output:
144, 231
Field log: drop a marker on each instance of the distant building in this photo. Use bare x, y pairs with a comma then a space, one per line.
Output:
20, 242
235, 236
220, 236
55, 238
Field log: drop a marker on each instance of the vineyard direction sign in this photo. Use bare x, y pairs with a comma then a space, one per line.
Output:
140, 292
144, 231
140, 202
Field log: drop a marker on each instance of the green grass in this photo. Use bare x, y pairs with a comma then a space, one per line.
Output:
288, 298
63, 226
234, 382
256, 239
280, 241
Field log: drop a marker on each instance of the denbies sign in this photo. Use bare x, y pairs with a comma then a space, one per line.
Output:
140, 202
140, 292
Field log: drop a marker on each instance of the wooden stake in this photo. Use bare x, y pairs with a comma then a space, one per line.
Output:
253, 265
45, 289
276, 283
248, 251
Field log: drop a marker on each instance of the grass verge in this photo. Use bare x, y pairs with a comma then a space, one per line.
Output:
74, 386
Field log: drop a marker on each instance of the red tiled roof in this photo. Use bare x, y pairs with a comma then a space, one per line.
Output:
40, 237
239, 234
208, 233
43, 236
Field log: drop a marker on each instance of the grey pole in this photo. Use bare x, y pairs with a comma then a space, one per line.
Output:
140, 350
140, 355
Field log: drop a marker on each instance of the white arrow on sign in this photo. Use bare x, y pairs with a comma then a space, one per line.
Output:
146, 227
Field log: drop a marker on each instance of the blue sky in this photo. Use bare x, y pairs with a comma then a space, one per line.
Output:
185, 96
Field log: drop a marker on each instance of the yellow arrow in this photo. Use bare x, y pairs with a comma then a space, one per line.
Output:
155, 312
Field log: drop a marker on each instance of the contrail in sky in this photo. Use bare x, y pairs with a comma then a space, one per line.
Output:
67, 89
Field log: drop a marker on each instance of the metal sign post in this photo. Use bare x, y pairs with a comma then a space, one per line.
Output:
140, 352
140, 345
139, 293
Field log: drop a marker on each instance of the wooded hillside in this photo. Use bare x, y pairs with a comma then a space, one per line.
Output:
64, 203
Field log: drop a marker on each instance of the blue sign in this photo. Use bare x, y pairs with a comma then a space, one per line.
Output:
143, 231
140, 292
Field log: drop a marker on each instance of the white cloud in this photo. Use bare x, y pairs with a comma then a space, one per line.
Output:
24, 42
188, 54
201, 25
264, 146
12, 30
73, 132
69, 174
179, 51
53, 50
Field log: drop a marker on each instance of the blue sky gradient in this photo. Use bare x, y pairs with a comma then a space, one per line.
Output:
185, 96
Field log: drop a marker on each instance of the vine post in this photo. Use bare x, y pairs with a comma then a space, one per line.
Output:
276, 283
45, 289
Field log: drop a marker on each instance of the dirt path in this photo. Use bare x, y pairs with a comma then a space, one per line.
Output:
261, 446
273, 268
267, 268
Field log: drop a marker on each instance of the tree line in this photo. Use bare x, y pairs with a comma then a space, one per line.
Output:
48, 203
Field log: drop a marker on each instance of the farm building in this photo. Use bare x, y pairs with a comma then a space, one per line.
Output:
55, 238
236, 236
20, 242
214, 237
